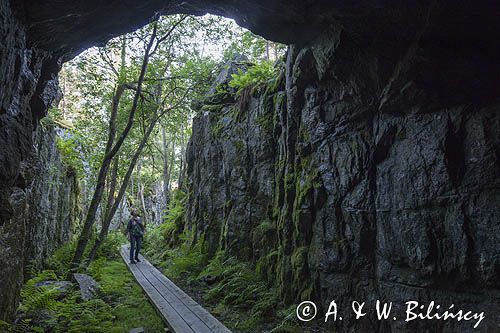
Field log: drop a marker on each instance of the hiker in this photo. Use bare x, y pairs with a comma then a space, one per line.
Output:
135, 232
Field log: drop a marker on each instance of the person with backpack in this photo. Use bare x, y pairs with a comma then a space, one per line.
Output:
135, 232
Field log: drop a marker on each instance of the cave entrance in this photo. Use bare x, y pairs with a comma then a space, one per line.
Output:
124, 119
193, 59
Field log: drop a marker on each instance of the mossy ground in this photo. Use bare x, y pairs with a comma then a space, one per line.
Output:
120, 306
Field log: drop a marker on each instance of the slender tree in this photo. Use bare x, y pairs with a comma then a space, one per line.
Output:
110, 202
133, 161
111, 151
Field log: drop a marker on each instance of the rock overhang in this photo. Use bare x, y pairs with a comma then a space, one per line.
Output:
68, 27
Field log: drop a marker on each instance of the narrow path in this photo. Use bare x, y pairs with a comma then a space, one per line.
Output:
181, 313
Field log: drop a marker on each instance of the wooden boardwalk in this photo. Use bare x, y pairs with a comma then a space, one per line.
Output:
181, 313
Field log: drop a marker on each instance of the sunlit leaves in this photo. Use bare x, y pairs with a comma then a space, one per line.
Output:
180, 73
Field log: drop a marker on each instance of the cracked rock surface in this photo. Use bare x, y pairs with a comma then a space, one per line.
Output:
370, 170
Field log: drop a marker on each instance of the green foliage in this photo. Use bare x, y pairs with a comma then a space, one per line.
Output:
176, 210
121, 305
66, 313
22, 326
170, 246
39, 298
186, 260
169, 232
47, 121
253, 47
238, 293
239, 286
130, 306
265, 121
110, 248
256, 75
70, 156
60, 260
217, 129
155, 244
289, 322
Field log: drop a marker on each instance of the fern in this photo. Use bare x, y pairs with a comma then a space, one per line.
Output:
122, 307
39, 298
239, 286
215, 267
24, 326
254, 76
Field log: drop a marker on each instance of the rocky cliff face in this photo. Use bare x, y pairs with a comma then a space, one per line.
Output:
53, 199
37, 193
43, 218
342, 188
26, 88
377, 176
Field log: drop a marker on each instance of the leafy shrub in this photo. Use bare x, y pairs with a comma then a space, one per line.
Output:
60, 260
254, 76
110, 248
157, 240
186, 261
176, 209
238, 286
155, 245
70, 156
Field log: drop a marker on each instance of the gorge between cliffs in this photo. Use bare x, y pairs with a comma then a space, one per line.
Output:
342, 154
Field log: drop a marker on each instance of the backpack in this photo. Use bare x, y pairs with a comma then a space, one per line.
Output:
136, 229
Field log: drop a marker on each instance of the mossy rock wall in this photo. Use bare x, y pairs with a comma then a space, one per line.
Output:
341, 187
45, 218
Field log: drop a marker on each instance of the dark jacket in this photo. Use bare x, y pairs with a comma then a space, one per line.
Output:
129, 225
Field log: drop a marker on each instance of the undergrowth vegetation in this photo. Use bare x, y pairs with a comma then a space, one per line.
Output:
256, 75
51, 304
70, 156
230, 289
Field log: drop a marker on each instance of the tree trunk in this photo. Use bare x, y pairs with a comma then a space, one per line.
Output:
126, 179
110, 152
146, 217
138, 175
110, 202
171, 165
140, 192
166, 189
183, 158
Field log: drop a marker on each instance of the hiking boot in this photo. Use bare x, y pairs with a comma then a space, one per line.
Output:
132, 261
137, 260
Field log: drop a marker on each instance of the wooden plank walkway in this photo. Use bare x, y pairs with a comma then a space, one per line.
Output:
179, 311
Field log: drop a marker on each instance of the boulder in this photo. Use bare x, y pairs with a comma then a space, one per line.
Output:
89, 288
62, 286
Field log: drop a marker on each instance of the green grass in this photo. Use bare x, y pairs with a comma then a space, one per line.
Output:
120, 306
131, 307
